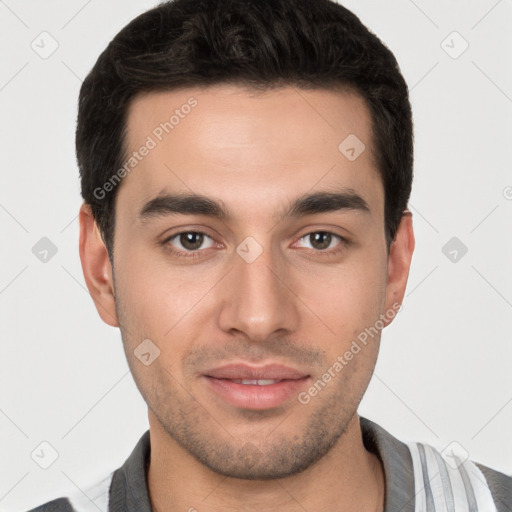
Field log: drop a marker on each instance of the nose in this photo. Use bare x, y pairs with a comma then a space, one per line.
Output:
258, 298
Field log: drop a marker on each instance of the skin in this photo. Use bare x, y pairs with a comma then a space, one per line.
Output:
295, 304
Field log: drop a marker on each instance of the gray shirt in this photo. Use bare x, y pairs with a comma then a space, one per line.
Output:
410, 486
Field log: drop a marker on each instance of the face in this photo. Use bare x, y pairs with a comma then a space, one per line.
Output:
250, 250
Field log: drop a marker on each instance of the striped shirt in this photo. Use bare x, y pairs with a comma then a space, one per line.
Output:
418, 478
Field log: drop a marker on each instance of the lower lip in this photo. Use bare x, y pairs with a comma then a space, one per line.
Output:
249, 396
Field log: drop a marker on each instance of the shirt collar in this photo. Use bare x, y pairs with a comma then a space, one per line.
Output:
129, 489
397, 463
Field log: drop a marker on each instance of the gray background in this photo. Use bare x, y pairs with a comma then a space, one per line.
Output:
444, 372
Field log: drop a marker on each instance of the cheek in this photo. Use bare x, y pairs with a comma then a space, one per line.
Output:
347, 298
154, 294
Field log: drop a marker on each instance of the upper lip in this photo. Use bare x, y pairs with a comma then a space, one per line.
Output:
245, 371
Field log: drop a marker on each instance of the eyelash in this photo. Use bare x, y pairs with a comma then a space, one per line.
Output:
197, 253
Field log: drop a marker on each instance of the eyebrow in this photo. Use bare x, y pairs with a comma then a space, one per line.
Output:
195, 204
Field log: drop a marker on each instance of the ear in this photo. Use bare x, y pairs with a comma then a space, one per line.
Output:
96, 267
399, 262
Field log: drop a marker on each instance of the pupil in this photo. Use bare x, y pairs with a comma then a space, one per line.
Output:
321, 240
191, 240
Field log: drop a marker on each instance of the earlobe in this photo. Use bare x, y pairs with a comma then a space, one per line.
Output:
399, 262
96, 267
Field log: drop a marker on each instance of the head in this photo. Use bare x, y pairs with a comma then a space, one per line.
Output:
245, 170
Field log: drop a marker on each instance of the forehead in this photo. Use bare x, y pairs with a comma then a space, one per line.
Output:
246, 146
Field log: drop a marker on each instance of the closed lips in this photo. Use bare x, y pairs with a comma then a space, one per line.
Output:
255, 375
247, 386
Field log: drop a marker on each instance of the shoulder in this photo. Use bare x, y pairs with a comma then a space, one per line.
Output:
450, 477
419, 475
94, 498
500, 486
57, 505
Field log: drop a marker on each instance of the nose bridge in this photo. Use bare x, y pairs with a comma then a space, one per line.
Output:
258, 302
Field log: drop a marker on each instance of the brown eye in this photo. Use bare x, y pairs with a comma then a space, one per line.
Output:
321, 240
190, 241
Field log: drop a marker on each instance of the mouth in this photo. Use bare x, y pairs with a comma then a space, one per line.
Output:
255, 387
256, 382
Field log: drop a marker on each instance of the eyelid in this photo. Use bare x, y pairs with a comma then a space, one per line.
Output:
332, 251
339, 237
343, 242
167, 240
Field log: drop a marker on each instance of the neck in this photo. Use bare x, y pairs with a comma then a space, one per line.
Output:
347, 478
